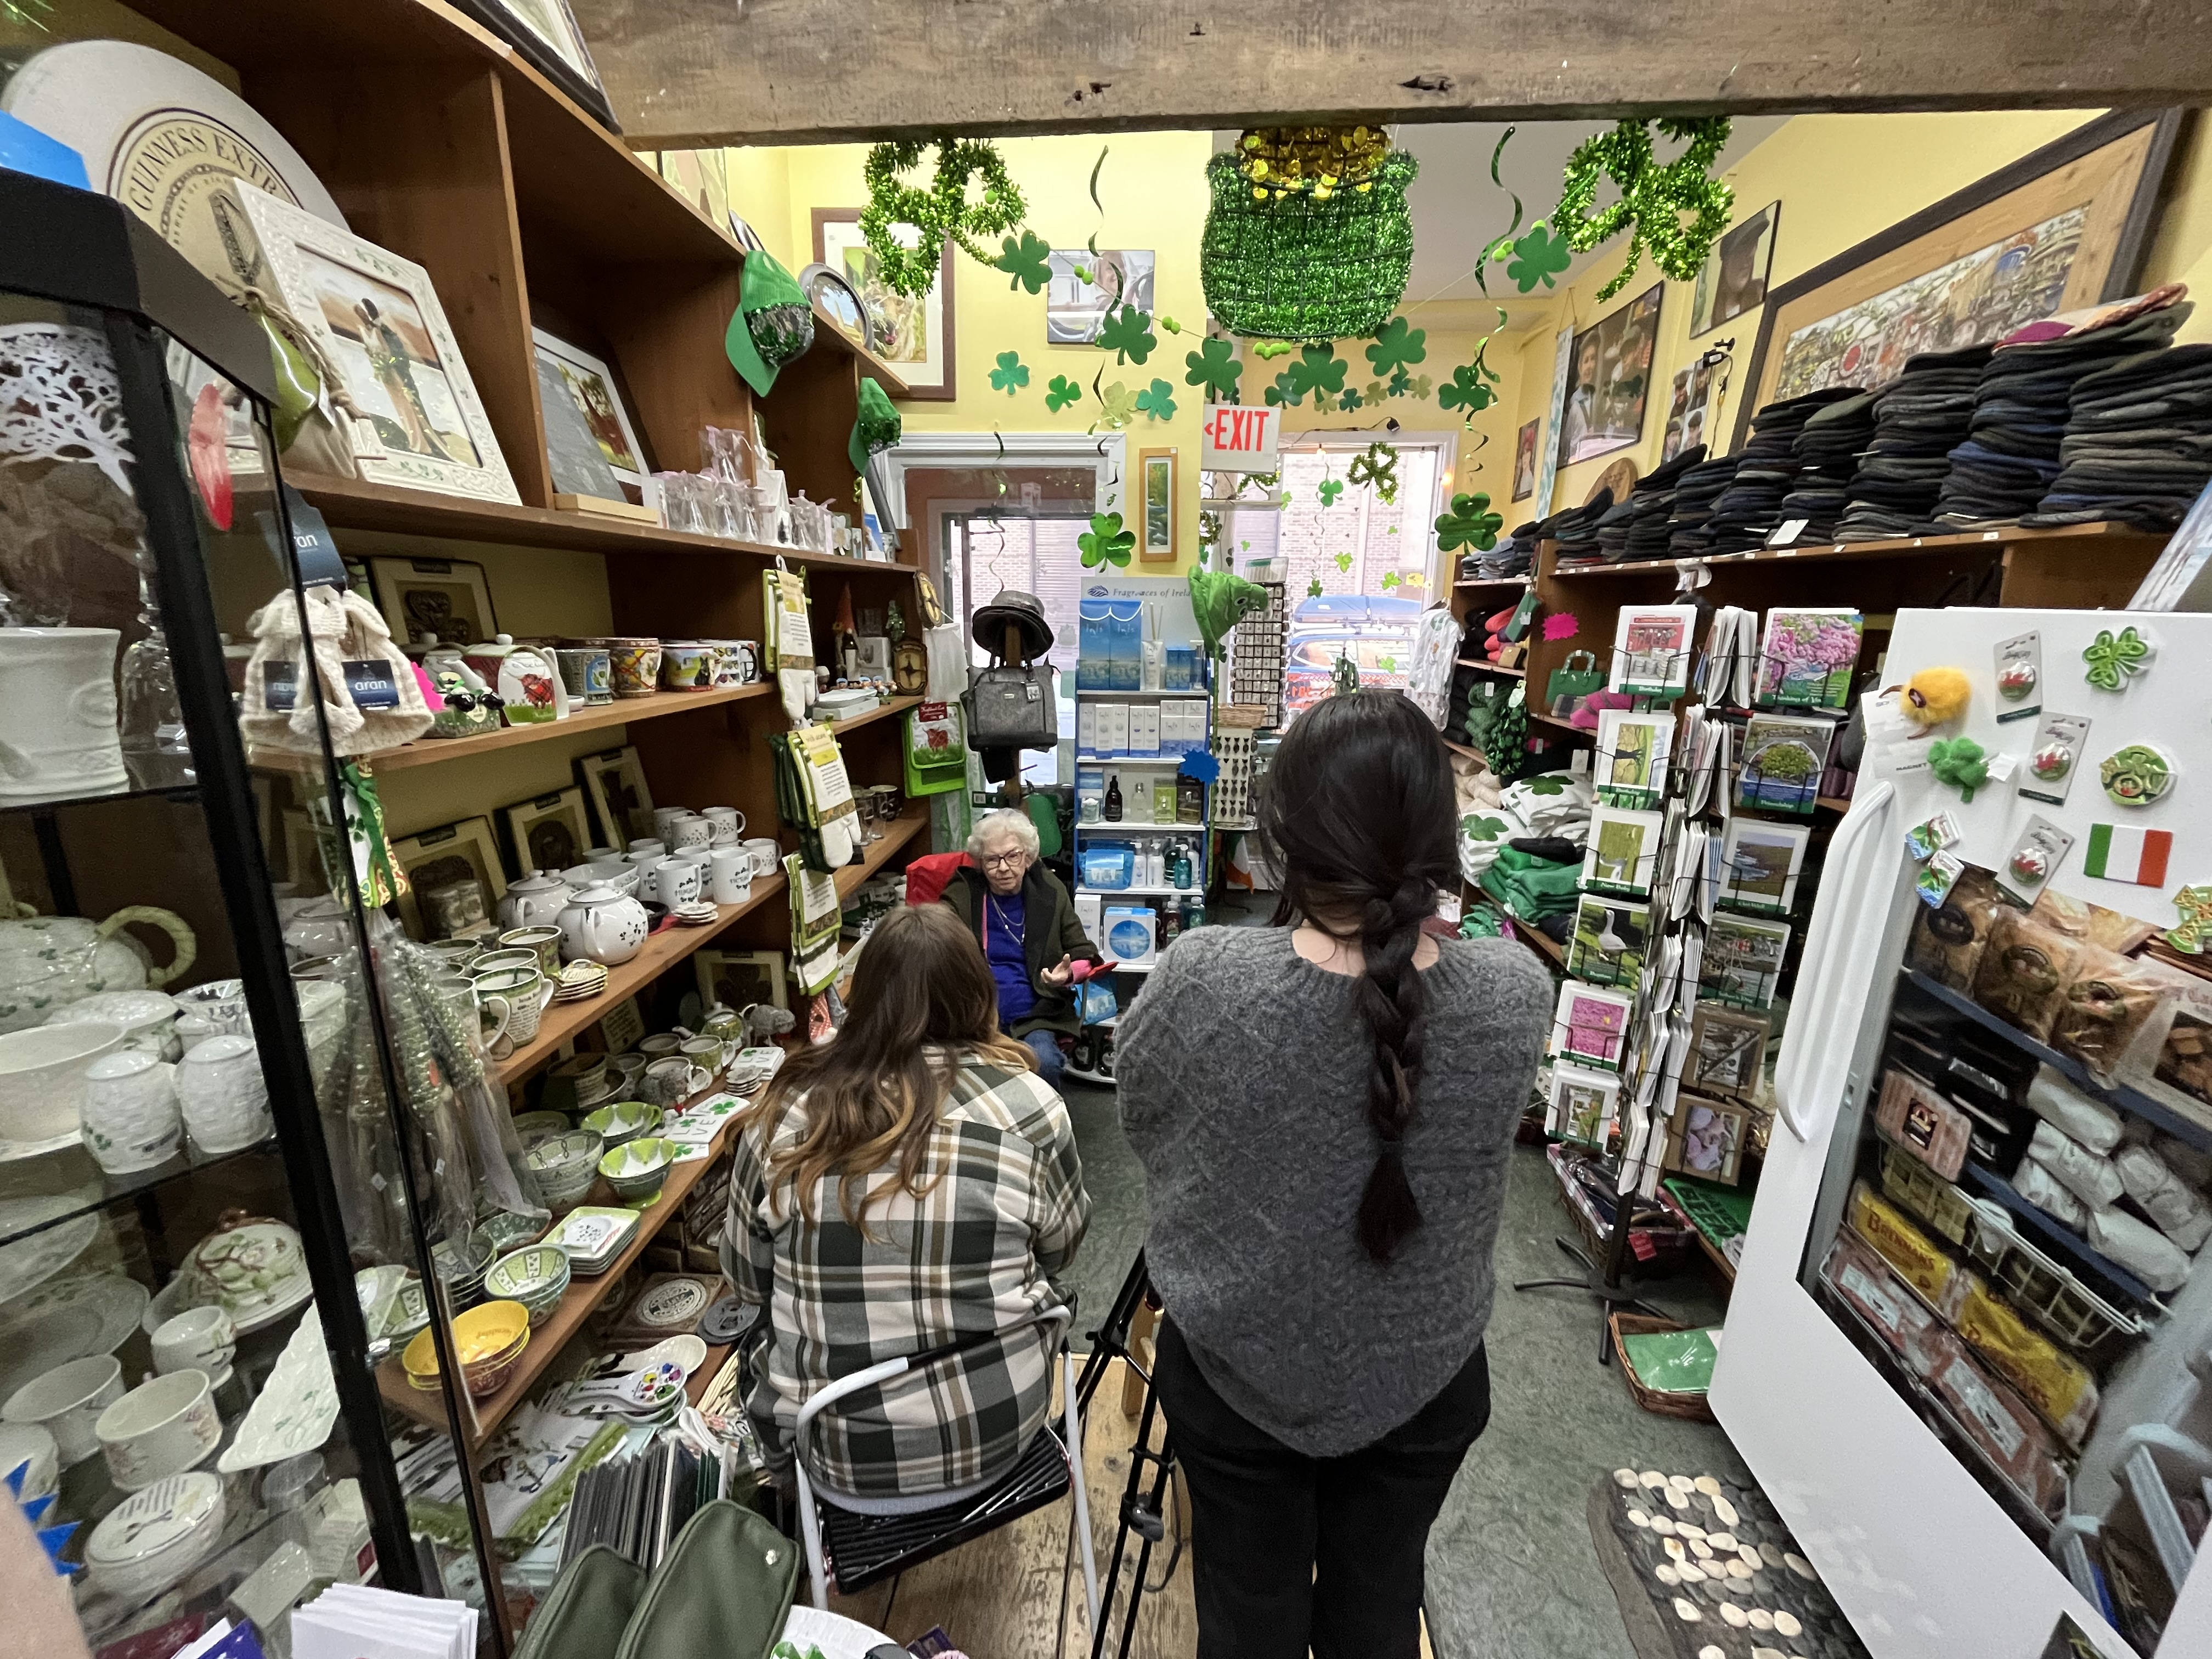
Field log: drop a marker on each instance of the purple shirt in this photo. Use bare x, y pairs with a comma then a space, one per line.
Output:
1009, 958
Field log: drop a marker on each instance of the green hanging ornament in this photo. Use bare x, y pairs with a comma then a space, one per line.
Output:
1377, 467
942, 210
1960, 762
1654, 196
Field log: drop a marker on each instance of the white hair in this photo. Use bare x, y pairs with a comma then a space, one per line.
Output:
1005, 822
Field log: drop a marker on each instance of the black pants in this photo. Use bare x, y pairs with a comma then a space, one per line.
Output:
1292, 1551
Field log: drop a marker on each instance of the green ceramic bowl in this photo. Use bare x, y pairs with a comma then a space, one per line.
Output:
637, 1170
535, 1277
534, 1127
564, 1168
508, 1231
626, 1120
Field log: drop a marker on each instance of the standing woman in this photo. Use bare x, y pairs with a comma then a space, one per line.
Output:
1323, 1110
1026, 921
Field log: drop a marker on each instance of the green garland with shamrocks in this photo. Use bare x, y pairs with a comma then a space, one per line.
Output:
1655, 196
940, 211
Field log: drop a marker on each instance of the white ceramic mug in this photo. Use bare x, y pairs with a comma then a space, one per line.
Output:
67, 1402
711, 1053
225, 1101
660, 1046
663, 817
702, 857
767, 855
671, 882
199, 1339
688, 830
159, 1429
526, 991
131, 1120
727, 823
652, 844
731, 871
59, 684
671, 1082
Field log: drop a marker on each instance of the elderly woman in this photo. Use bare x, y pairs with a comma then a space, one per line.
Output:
1026, 921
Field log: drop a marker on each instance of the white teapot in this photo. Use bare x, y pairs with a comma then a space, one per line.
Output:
538, 899
46, 962
602, 924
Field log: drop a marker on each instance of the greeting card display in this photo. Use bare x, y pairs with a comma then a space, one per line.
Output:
1706, 1139
1584, 1104
1651, 650
1759, 864
1742, 961
1622, 852
1632, 751
1807, 657
1727, 1048
1782, 760
1591, 1024
1609, 939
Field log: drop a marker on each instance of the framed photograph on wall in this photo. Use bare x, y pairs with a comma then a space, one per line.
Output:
448, 599
1156, 519
2064, 226
1609, 381
590, 384
376, 316
1075, 307
1732, 278
614, 785
442, 866
739, 979
1689, 407
549, 833
914, 334
544, 32
1524, 461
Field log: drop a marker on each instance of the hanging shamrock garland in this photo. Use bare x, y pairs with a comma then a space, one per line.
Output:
1654, 196
942, 210
1106, 541
1376, 466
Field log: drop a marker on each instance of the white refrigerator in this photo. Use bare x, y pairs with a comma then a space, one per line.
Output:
1969, 1366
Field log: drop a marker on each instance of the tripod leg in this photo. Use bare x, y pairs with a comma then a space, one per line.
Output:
1130, 1509
1150, 1529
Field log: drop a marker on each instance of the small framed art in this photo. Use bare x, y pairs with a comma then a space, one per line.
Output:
377, 318
545, 33
1706, 1139
1609, 940
1743, 958
550, 833
1156, 526
1727, 1048
1651, 650
1622, 854
1782, 762
1590, 1025
615, 788
739, 979
1633, 746
448, 600
914, 333
453, 879
590, 384
1759, 863
1584, 1104
1806, 658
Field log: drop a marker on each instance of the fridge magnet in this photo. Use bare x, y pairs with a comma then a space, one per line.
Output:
1632, 751
1759, 864
1651, 650
1782, 759
1706, 1139
2020, 677
2138, 775
1727, 1047
1622, 852
1584, 1104
1937, 877
2195, 904
1609, 940
1961, 762
1591, 1024
1932, 836
2117, 853
1742, 961
2055, 757
1935, 695
2114, 660
1807, 658
2035, 857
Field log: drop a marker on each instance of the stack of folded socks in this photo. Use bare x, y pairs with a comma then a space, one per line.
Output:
1827, 451
1575, 529
1651, 505
2138, 444
2010, 458
1919, 419
1690, 530
1752, 504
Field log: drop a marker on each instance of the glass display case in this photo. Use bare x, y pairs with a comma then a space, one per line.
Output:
241, 1139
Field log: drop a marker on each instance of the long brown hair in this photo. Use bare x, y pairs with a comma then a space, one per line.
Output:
869, 1097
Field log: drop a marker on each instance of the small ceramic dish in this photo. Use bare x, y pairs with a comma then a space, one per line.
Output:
153, 1539
537, 1278
27, 1446
564, 1168
159, 1429
67, 1402
626, 1120
637, 1169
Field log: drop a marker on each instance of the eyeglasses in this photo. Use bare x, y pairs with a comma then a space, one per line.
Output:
1002, 861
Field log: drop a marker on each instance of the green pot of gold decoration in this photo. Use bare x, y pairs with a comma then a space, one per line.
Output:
1308, 238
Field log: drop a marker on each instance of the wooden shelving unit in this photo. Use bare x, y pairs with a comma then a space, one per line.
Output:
1901, 547
1461, 749
621, 712
883, 710
1492, 667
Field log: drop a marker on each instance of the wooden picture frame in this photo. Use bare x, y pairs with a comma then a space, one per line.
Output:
1609, 381
1524, 460
1156, 504
1706, 1139
544, 32
598, 398
2112, 169
740, 978
548, 832
377, 318
437, 856
915, 336
1732, 279
1728, 1052
449, 598
613, 781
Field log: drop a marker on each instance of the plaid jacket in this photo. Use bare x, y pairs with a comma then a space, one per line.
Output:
1007, 1208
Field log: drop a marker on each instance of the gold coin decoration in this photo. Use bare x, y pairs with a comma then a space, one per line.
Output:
1686, 1611
1707, 1484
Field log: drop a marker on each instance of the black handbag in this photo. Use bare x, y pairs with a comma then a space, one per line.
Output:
1010, 706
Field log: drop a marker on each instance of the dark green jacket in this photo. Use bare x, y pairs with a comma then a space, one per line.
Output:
1050, 931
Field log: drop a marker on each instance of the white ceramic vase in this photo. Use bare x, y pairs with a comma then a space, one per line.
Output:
129, 1116
57, 685
224, 1100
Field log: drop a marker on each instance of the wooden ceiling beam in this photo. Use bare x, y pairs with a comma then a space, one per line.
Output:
684, 72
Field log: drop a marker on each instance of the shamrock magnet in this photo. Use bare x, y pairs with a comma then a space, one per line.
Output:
2195, 904
2116, 658
2135, 775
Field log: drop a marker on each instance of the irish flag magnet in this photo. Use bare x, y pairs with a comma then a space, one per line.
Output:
2117, 853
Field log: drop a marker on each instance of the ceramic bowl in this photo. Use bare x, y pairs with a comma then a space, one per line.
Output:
537, 1278
200, 1338
67, 1402
153, 1539
159, 1429
534, 1127
565, 1166
637, 1170
28, 1444
486, 1340
251, 1267
42, 1079
626, 1120
506, 1231
460, 1266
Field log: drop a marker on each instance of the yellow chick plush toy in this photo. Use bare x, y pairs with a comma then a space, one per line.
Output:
1935, 695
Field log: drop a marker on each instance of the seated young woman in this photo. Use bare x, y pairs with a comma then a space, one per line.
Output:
910, 1183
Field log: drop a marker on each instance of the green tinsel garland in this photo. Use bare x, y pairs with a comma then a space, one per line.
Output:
1653, 197
942, 210
1297, 267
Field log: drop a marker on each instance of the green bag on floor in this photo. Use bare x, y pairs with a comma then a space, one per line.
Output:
724, 1589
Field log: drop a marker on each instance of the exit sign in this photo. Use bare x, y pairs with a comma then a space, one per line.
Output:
1240, 438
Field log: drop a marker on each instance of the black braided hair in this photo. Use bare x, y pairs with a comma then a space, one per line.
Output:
1358, 810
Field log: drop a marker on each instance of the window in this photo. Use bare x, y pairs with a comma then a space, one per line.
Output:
985, 553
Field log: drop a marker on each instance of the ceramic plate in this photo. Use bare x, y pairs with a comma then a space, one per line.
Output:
13, 1151
30, 1262
296, 1407
159, 1519
65, 1320
686, 1351
838, 1636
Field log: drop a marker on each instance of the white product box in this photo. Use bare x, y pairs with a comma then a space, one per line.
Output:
1113, 733
1183, 727
1144, 728
1086, 726
1087, 907
1132, 933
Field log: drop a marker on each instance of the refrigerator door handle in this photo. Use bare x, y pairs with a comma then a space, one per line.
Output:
1838, 932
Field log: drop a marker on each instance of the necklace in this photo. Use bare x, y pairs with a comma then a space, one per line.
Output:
991, 900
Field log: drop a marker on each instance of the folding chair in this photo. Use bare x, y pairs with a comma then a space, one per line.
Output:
859, 1550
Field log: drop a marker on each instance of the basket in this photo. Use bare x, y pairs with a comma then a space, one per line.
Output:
1299, 267
1690, 1408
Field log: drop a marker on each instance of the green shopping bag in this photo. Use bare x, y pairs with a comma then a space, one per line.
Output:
722, 1590
1577, 677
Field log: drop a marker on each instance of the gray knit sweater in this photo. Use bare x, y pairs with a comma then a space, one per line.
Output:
1242, 1072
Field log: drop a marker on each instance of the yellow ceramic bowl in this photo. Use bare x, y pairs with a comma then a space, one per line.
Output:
487, 1340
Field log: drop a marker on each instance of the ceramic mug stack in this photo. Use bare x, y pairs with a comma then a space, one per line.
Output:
224, 1100
688, 829
730, 872
543, 940
725, 825
131, 1120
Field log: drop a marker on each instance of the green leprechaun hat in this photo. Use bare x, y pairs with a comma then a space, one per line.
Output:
878, 427
773, 325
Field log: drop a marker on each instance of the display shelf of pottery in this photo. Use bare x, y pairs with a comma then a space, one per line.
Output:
603, 924
47, 962
224, 1099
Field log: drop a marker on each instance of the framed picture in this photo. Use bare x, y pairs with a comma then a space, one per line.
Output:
1075, 309
1609, 380
446, 598
590, 384
1623, 850
1743, 958
1782, 759
1706, 1139
544, 32
1591, 1024
1156, 525
2065, 226
1732, 278
1727, 1047
1651, 650
613, 785
1524, 461
1584, 1104
453, 879
376, 316
1633, 747
912, 334
550, 833
1609, 940
1689, 407
1759, 863
700, 177
742, 978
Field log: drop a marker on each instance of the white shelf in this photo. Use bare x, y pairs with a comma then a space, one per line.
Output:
1142, 892
1204, 691
1134, 760
1103, 828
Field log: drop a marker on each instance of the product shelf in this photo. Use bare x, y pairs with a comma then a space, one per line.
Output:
429, 751
1462, 748
882, 711
95, 1190
1901, 547
1180, 691
1492, 667
1141, 892
1128, 760
1491, 582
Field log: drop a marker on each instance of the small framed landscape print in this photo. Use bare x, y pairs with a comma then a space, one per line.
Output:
1633, 747
590, 384
914, 333
1622, 854
1727, 1048
615, 787
1759, 863
550, 833
1591, 1024
1706, 1139
1609, 940
1155, 525
1743, 959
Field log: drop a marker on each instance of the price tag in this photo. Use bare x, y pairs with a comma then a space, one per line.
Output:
371, 685
1787, 531
280, 685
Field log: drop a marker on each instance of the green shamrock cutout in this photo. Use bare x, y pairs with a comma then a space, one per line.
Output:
1390, 580
1328, 490
1283, 389
1274, 348
1386, 665
1117, 405
1126, 332
1106, 541
1423, 385
1026, 262
1547, 783
1313, 588
1061, 392
1344, 562
1539, 257
1319, 370
1397, 344
1376, 466
1012, 373
1676, 210
1375, 394
2116, 658
1468, 522
1960, 762
1215, 367
1349, 399
1158, 401
1466, 390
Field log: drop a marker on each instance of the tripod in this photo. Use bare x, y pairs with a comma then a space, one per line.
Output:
1141, 1512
